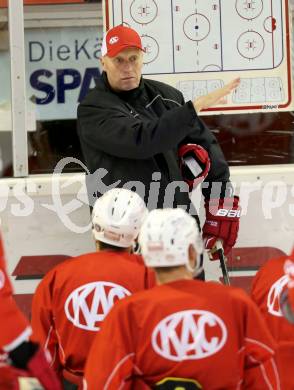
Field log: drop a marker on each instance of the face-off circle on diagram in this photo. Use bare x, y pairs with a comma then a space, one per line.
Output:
270, 24
250, 44
143, 11
211, 68
196, 27
151, 48
249, 9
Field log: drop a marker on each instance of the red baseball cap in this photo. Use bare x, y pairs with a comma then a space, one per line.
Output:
119, 38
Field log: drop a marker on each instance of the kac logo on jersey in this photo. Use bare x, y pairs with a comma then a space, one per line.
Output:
273, 298
189, 335
87, 306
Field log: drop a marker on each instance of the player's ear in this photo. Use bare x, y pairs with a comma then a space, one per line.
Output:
192, 256
102, 62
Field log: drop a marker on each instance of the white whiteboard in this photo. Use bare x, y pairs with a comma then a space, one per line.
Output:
199, 45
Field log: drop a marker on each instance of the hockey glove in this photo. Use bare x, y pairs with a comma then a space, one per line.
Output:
222, 223
194, 164
31, 358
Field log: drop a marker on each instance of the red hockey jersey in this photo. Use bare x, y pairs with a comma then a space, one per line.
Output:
73, 299
14, 327
267, 286
185, 334
289, 270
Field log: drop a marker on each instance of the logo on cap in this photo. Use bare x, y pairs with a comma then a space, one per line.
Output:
113, 40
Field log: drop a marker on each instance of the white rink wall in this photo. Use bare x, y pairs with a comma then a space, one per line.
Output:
48, 215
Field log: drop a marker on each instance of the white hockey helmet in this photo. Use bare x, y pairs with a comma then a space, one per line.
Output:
165, 238
117, 217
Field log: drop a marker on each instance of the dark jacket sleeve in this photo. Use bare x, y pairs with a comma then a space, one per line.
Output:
118, 133
217, 183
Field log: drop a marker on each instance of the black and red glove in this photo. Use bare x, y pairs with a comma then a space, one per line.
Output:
30, 358
222, 223
194, 164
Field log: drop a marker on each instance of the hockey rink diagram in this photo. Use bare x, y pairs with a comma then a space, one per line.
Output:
190, 45
190, 36
191, 89
259, 90
255, 90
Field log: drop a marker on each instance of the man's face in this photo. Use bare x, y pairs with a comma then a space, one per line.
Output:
124, 70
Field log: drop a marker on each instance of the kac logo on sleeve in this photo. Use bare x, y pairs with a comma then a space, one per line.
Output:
273, 298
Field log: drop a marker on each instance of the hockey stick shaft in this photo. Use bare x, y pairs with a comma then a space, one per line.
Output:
224, 267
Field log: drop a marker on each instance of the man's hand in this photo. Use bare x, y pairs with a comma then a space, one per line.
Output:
215, 97
222, 223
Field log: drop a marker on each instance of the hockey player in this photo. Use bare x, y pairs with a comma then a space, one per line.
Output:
73, 299
18, 356
183, 333
268, 287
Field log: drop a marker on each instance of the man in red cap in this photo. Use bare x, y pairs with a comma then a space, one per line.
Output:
132, 128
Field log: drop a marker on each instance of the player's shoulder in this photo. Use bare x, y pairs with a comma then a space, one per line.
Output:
135, 259
140, 299
272, 268
228, 292
277, 262
70, 263
239, 294
132, 263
